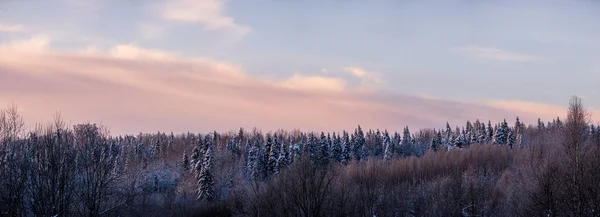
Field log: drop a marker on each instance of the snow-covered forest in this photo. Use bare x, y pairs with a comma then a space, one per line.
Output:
478, 168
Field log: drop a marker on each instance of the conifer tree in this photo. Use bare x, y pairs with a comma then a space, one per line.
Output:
510, 140
195, 156
274, 156
436, 141
284, 157
186, 162
252, 161
337, 148
205, 177
347, 151
359, 144
490, 132
323, 151
389, 147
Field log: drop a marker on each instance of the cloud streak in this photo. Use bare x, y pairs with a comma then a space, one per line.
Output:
11, 28
132, 89
208, 12
493, 53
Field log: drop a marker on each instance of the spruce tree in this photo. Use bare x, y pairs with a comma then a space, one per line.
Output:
284, 157
195, 156
510, 140
337, 148
323, 155
252, 161
274, 156
205, 178
359, 144
347, 151
389, 147
186, 162
490, 132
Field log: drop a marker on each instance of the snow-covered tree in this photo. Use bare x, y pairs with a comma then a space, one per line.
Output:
490, 132
284, 157
252, 161
205, 177
359, 143
436, 141
337, 148
389, 147
323, 150
501, 135
195, 156
186, 162
510, 139
274, 155
347, 151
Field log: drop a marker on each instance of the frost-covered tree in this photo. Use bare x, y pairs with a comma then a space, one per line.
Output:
195, 156
284, 157
460, 139
186, 162
481, 134
337, 148
407, 142
347, 151
274, 155
510, 139
490, 132
205, 177
252, 161
323, 150
540, 125
358, 139
501, 135
156, 147
389, 146
436, 141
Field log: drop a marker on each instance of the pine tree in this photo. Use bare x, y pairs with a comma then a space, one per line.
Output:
436, 141
460, 140
359, 144
490, 132
186, 162
501, 135
274, 156
510, 140
347, 151
337, 148
284, 157
323, 155
195, 156
540, 125
252, 161
389, 147
406, 145
313, 148
205, 177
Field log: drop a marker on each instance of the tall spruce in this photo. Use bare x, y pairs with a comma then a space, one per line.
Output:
205, 177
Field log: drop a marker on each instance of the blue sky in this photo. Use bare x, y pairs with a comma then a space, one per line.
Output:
538, 52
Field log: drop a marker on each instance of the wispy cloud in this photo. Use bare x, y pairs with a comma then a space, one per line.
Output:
208, 12
151, 31
369, 79
493, 53
131, 89
11, 28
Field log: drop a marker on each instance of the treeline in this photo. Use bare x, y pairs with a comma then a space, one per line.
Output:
479, 169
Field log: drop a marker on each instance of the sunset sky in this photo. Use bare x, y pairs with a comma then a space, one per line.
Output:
203, 65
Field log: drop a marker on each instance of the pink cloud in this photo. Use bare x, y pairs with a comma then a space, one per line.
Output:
132, 89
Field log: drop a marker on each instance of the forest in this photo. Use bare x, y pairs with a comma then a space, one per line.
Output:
481, 168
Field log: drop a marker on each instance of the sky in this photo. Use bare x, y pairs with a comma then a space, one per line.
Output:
202, 65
